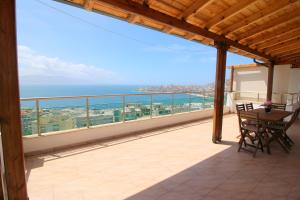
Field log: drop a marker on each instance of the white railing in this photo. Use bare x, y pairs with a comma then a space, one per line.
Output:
48, 114
287, 98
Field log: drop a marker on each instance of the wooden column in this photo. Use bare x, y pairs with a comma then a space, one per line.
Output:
231, 78
219, 90
10, 105
270, 81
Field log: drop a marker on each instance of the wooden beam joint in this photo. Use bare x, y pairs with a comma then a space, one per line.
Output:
89, 5
221, 44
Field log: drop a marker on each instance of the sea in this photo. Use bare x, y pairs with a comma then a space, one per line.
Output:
36, 91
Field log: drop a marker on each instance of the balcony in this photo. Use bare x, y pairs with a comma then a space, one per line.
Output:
57, 122
170, 163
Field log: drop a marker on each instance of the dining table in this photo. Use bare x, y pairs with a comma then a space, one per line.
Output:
275, 115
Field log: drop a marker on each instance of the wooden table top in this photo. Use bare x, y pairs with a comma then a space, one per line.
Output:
274, 115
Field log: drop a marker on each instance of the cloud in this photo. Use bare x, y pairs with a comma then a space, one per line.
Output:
35, 68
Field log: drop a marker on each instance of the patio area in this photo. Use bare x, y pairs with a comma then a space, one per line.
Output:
169, 164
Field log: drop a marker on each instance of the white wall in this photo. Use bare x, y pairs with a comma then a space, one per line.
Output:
294, 82
286, 79
281, 78
57, 140
250, 79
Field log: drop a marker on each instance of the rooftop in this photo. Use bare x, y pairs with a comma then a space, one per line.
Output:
175, 163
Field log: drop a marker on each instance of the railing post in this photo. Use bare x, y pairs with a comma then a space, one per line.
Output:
87, 112
292, 99
38, 126
258, 97
203, 100
190, 102
172, 103
124, 114
281, 99
151, 105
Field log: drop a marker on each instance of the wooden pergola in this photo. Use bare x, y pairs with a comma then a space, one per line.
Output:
267, 30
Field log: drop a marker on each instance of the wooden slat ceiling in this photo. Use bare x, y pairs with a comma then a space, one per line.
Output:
261, 29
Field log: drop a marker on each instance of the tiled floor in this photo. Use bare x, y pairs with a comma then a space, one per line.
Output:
180, 163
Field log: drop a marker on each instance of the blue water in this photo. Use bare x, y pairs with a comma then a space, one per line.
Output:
97, 103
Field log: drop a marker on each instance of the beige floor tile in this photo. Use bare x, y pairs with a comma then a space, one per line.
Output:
175, 163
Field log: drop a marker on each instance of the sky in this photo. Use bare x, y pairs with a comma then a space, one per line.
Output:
60, 44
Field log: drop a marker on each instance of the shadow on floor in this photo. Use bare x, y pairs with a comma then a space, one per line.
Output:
232, 175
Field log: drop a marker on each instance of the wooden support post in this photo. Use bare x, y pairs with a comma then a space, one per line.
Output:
270, 81
10, 105
231, 79
219, 90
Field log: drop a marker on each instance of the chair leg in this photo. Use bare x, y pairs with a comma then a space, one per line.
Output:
282, 145
256, 148
267, 142
261, 145
288, 138
258, 144
242, 140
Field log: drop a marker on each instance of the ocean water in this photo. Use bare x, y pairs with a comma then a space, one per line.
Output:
98, 103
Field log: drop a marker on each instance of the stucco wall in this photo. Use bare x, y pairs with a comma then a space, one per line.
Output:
286, 79
294, 83
52, 141
250, 79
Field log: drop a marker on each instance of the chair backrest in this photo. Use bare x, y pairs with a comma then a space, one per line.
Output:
245, 116
278, 106
293, 119
240, 107
249, 106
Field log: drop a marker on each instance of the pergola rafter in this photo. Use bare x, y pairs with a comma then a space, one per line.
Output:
278, 39
272, 23
285, 46
231, 11
193, 7
276, 7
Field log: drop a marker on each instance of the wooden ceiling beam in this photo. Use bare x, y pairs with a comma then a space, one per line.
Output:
231, 11
292, 56
266, 12
279, 39
274, 34
284, 45
163, 5
285, 62
89, 4
190, 36
167, 29
268, 25
133, 19
145, 11
293, 46
251, 65
193, 8
287, 53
